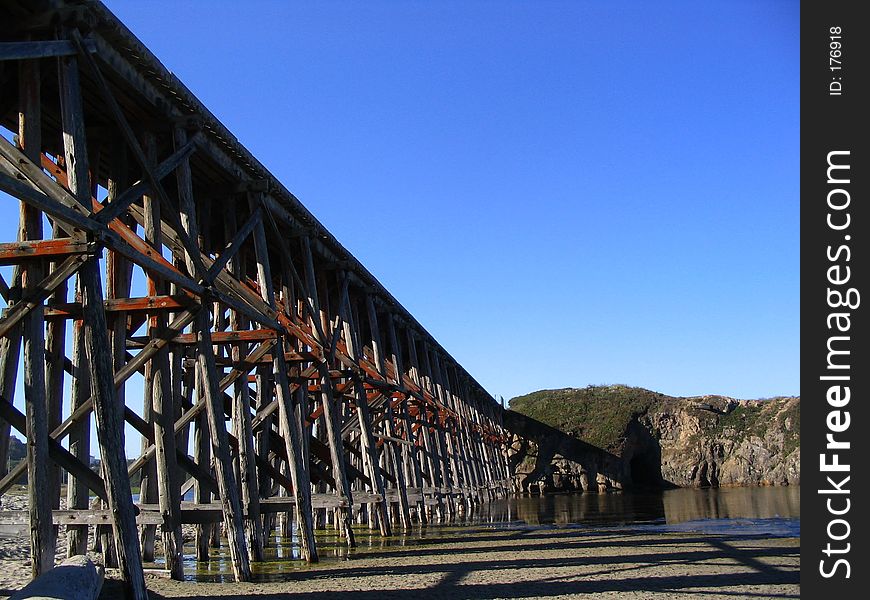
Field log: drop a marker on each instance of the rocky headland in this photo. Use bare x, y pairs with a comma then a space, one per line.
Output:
651, 439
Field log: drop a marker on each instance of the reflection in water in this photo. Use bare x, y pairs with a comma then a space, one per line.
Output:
717, 509
589, 509
732, 503
670, 506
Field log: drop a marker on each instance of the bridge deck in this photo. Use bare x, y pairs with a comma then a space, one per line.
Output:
279, 374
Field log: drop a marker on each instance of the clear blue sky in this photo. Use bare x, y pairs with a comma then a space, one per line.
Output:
562, 193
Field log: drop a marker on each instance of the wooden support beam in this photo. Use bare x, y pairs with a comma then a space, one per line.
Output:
49, 197
409, 453
439, 447
228, 491
452, 449
13, 253
289, 426
110, 432
430, 452
232, 249
188, 240
159, 375
37, 293
55, 355
42, 534
10, 350
147, 304
202, 455
241, 412
4, 290
185, 419
369, 448
231, 337
332, 424
393, 450
108, 212
79, 436
46, 194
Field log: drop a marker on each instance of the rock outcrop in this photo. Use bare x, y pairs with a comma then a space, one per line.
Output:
665, 441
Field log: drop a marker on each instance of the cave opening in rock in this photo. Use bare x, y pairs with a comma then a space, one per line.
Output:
646, 469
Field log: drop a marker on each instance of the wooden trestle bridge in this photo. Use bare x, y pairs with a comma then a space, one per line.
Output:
280, 377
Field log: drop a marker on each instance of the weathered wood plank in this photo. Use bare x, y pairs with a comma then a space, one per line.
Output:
110, 432
392, 449
332, 424
228, 491
55, 355
288, 425
147, 304
241, 412
367, 441
159, 374
42, 534
10, 350
79, 437
12, 253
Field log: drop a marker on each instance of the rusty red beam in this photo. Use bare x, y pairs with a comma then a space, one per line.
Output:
72, 310
231, 337
12, 253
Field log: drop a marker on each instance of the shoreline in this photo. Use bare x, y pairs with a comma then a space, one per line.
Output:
535, 563
523, 562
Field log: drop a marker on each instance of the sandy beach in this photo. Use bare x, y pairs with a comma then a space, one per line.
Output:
476, 562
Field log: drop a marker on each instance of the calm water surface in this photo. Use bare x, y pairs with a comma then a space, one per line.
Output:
768, 511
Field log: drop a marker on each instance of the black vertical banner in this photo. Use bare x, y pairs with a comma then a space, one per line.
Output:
835, 373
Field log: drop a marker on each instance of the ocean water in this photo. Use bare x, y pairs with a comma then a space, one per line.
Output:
769, 510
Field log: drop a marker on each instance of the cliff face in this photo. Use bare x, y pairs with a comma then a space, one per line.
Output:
663, 440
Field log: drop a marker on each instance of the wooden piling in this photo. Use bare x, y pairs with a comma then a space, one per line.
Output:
394, 453
242, 413
39, 470
110, 432
367, 440
227, 490
289, 425
158, 377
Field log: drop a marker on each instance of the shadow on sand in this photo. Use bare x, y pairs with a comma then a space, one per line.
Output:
611, 566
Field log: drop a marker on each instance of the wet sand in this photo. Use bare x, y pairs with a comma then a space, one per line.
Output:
533, 563
478, 561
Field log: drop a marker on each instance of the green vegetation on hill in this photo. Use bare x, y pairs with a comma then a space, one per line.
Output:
597, 414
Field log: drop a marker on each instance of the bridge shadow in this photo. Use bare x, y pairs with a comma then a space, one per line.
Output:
551, 442
570, 540
570, 563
